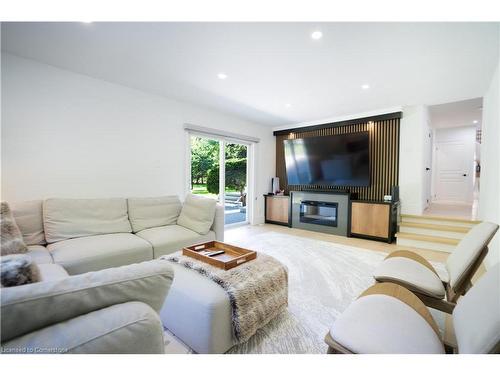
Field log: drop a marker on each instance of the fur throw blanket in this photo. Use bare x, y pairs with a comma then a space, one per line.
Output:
11, 237
257, 290
18, 269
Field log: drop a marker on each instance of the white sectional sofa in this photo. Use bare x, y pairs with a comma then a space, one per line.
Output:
109, 311
72, 238
85, 235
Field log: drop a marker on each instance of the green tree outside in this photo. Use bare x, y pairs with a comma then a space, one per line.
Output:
204, 155
236, 176
205, 166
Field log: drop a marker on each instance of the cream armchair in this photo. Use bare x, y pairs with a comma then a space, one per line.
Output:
389, 319
413, 272
110, 311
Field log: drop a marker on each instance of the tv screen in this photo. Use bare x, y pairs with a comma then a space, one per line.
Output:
335, 160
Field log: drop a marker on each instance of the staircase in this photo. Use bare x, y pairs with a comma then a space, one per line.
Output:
437, 233
232, 197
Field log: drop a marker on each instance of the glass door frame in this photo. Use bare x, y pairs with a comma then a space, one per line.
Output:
250, 180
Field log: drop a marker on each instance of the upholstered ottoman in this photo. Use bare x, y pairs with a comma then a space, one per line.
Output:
198, 312
211, 309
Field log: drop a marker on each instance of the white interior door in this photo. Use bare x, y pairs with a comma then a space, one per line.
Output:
454, 177
427, 191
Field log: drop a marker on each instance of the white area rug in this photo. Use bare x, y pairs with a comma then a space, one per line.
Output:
324, 278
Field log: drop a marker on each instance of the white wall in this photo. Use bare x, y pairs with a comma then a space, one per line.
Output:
489, 191
69, 135
412, 145
465, 135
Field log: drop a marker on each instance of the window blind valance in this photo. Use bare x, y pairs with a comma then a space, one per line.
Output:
201, 130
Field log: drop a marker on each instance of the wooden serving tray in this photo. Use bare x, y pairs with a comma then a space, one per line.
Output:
233, 256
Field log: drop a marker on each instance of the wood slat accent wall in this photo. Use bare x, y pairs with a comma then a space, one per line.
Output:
384, 157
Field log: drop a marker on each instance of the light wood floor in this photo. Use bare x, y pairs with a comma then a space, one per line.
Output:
247, 231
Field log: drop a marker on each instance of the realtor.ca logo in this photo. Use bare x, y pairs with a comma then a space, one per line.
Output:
32, 350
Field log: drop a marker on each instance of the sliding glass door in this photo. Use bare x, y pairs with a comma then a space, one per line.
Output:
205, 156
219, 169
235, 182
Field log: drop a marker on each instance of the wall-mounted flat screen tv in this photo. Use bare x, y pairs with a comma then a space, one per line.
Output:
334, 160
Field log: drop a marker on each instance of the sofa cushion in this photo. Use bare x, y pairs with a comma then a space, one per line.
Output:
29, 219
72, 218
84, 254
50, 272
197, 213
39, 254
147, 213
11, 239
172, 238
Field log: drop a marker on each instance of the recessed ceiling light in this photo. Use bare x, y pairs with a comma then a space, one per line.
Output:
365, 87
475, 122
317, 35
222, 76
288, 105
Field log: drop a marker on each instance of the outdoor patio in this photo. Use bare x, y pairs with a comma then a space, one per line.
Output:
234, 211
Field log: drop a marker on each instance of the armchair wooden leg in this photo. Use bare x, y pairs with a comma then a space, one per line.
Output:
334, 347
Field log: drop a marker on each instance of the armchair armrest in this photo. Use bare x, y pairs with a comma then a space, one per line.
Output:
218, 225
31, 307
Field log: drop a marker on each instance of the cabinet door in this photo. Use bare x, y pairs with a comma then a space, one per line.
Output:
370, 219
277, 209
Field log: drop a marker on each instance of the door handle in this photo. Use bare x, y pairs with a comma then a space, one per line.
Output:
465, 175
427, 169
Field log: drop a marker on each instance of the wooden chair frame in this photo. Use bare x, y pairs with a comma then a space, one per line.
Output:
334, 347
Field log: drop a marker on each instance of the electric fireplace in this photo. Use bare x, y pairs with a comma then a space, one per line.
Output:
320, 213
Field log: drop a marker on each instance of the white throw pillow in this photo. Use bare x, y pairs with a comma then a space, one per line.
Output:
197, 214
29, 219
145, 213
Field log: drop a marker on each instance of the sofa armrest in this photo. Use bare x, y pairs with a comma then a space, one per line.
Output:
131, 327
32, 307
218, 225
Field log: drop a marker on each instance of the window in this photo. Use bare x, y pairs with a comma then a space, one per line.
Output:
219, 169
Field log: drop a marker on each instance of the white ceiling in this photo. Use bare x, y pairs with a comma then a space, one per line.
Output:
457, 114
272, 64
